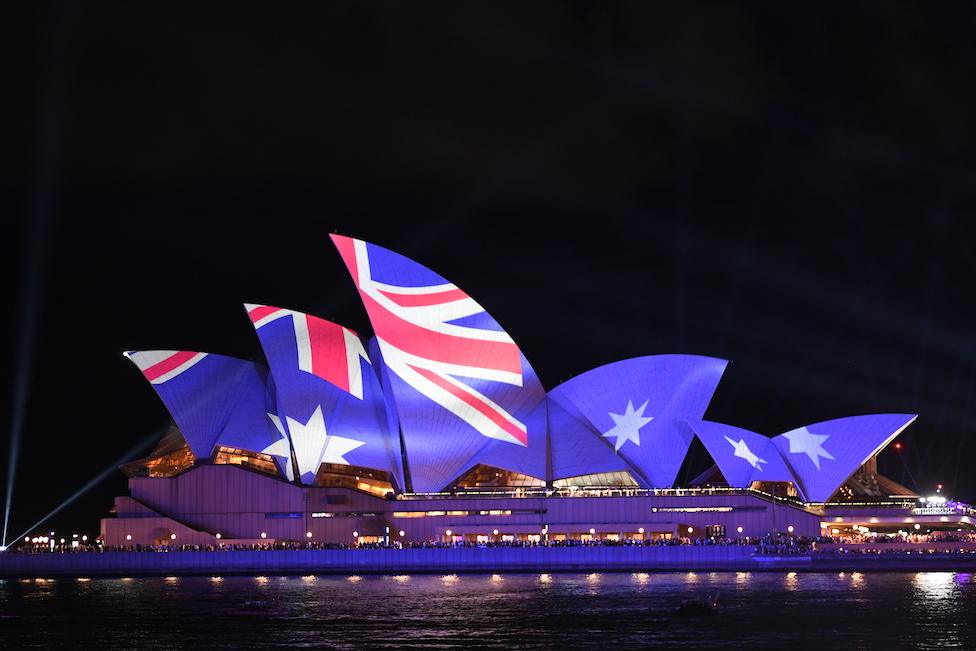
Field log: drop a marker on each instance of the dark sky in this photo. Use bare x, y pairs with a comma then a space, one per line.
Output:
788, 187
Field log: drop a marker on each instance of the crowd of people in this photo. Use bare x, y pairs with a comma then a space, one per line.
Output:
851, 538
783, 544
767, 544
773, 543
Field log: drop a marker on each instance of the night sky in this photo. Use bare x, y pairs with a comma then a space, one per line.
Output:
784, 186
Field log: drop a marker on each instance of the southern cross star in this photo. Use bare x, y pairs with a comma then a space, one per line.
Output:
627, 425
313, 445
743, 452
803, 441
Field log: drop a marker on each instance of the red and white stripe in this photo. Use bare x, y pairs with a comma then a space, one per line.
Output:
429, 353
325, 349
159, 366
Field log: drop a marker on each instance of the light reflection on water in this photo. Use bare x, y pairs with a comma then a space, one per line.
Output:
524, 611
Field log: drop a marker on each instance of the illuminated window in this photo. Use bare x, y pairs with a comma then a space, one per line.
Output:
482, 476
600, 479
366, 480
694, 509
246, 459
171, 456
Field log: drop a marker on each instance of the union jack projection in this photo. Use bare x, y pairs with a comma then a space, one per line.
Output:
460, 384
320, 347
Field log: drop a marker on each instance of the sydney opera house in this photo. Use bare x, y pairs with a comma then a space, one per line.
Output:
437, 428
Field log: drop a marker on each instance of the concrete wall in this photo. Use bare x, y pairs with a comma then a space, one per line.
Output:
446, 561
387, 561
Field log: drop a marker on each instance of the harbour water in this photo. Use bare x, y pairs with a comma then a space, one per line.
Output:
505, 611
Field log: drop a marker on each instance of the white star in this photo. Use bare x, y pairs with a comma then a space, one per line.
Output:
803, 441
314, 446
743, 452
627, 425
280, 447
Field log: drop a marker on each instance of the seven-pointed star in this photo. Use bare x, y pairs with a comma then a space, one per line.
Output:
803, 441
743, 452
627, 425
314, 446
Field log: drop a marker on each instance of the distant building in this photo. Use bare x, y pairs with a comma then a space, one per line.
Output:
438, 427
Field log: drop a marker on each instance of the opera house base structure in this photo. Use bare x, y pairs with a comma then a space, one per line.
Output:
437, 430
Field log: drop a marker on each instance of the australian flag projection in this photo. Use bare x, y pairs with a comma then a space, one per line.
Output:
441, 388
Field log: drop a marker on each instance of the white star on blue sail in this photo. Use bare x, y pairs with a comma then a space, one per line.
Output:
314, 446
280, 447
627, 425
743, 452
803, 441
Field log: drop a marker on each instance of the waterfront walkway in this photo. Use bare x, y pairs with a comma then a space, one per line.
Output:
602, 558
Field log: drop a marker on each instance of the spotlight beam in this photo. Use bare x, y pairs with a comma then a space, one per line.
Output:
94, 481
50, 109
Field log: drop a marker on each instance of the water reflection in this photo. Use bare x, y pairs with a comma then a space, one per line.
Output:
935, 585
532, 610
355, 578
791, 582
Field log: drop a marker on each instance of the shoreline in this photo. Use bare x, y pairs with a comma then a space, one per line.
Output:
460, 561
